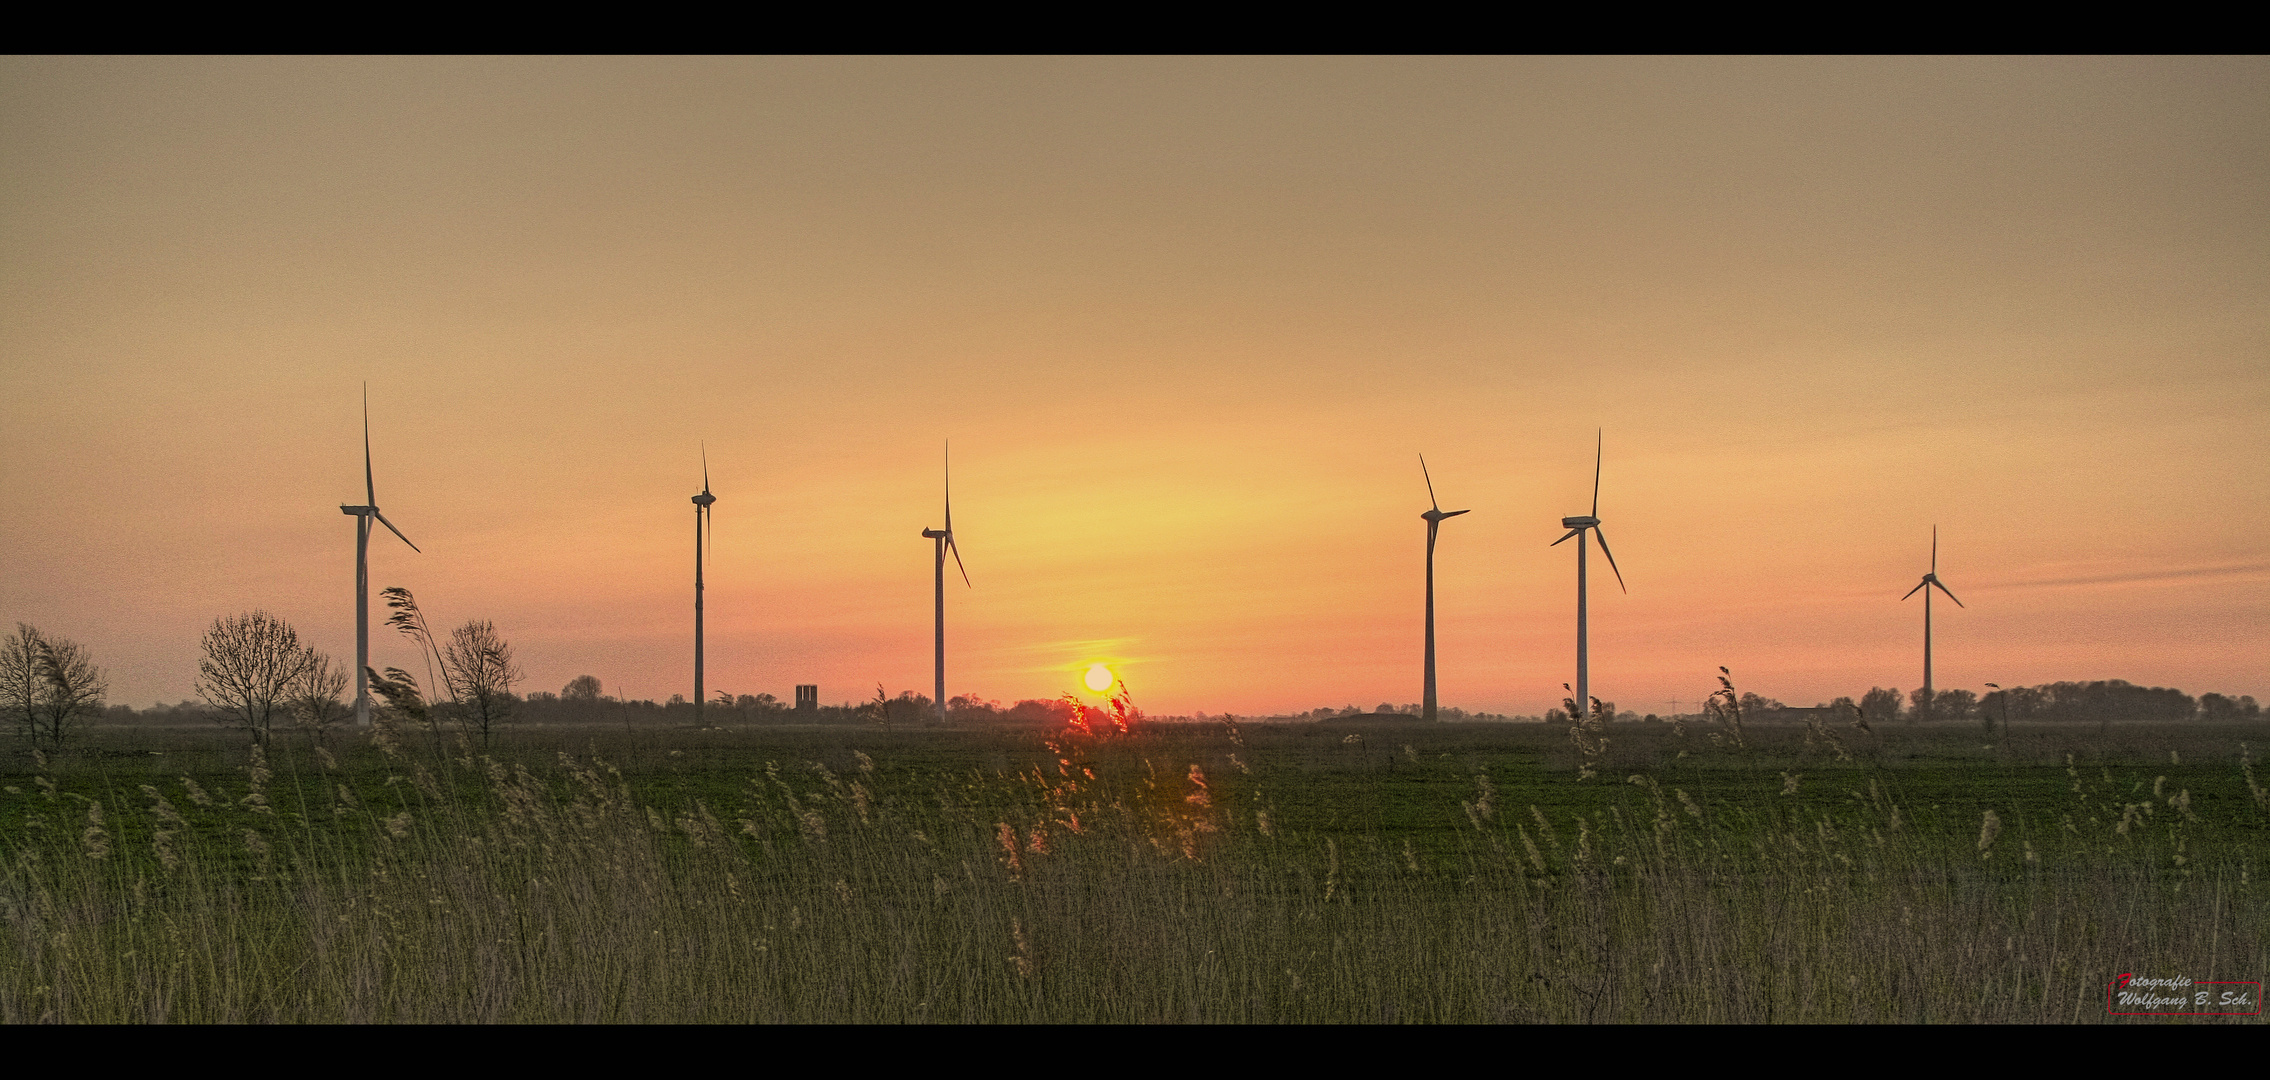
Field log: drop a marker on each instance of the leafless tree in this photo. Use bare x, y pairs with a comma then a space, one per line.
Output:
75, 689
252, 664
48, 685
20, 686
481, 671
315, 697
582, 688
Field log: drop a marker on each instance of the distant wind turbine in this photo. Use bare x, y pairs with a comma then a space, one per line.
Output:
364, 515
701, 540
943, 541
1929, 582
1576, 527
1434, 521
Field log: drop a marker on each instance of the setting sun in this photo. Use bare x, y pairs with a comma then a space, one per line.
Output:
1099, 678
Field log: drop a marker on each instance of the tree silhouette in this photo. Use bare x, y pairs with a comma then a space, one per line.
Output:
20, 686
315, 697
481, 669
48, 685
252, 662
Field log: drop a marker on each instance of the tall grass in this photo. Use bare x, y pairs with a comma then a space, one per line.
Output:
1111, 884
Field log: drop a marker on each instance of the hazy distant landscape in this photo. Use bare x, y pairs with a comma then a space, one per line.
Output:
2071, 702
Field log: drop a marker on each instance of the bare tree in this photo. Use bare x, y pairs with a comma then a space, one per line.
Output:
315, 697
74, 690
21, 689
582, 688
252, 663
49, 686
481, 671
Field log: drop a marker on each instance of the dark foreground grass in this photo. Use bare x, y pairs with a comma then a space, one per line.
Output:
1276, 874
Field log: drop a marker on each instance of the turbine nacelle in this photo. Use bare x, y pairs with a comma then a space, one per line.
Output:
372, 513
935, 534
1931, 581
1576, 527
1438, 515
705, 498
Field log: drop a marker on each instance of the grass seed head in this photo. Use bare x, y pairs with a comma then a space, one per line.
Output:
95, 837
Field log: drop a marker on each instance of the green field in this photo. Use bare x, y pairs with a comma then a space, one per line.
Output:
1319, 873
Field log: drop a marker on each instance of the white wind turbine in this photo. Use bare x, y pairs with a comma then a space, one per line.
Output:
702, 513
943, 541
1930, 581
363, 516
1433, 518
1576, 527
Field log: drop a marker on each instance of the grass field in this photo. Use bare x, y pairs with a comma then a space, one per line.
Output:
1313, 873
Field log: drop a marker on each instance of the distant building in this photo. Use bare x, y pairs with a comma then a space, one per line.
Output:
807, 697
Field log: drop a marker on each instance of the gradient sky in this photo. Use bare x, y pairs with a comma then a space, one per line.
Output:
1188, 323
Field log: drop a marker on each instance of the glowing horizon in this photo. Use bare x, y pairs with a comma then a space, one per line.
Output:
1188, 323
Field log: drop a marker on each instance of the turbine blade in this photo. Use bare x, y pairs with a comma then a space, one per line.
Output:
950, 546
390, 528
1603, 538
370, 487
1918, 585
705, 468
1600, 445
950, 495
1431, 501
1455, 513
1571, 532
1935, 549
1943, 588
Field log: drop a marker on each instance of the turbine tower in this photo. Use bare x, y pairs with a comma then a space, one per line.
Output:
1929, 582
943, 541
1576, 527
363, 516
1434, 521
701, 528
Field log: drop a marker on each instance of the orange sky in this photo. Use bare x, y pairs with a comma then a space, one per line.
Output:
1188, 323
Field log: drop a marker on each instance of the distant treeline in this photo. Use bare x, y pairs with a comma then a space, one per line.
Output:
581, 702
2097, 702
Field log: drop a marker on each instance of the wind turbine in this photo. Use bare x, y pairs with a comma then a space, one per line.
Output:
1576, 527
363, 516
942, 541
701, 529
1434, 521
1930, 581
